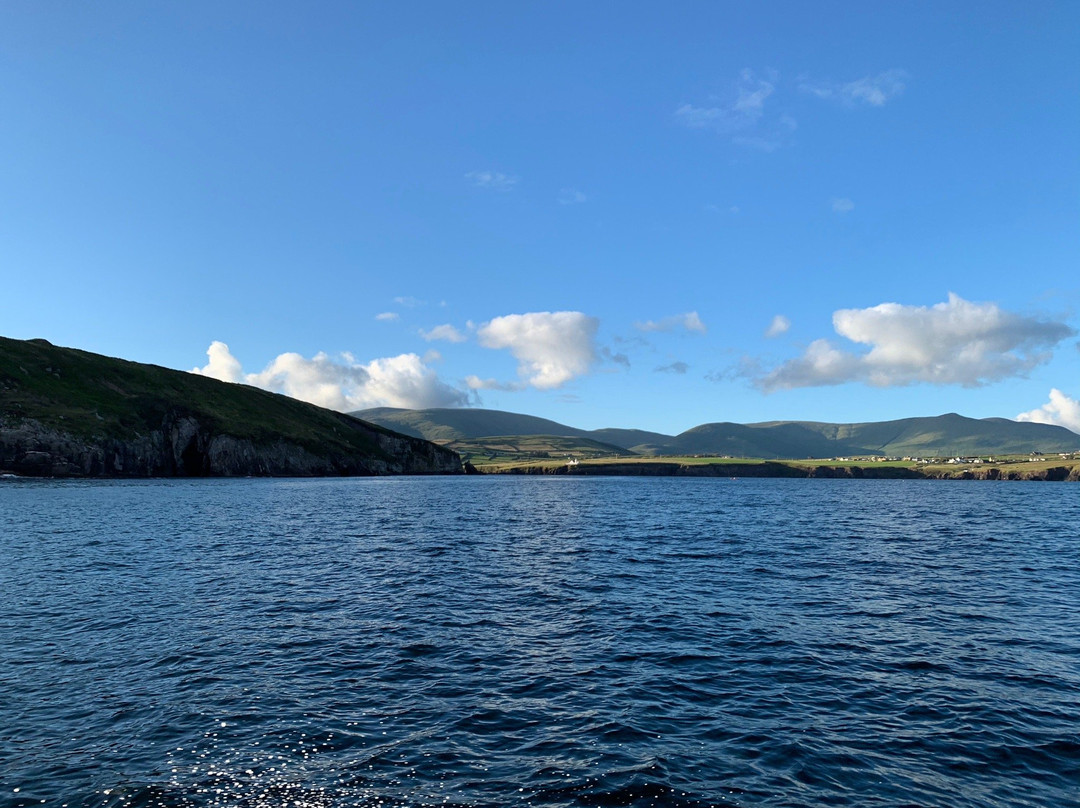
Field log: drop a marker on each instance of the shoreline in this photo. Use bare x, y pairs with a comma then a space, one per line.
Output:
1064, 472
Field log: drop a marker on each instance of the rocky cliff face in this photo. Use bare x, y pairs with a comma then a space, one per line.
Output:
184, 446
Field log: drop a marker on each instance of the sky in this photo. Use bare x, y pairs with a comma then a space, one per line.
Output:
609, 214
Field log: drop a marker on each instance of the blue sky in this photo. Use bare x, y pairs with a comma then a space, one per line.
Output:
609, 214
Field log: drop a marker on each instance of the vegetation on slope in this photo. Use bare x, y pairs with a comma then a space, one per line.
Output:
937, 436
93, 398
1015, 468
503, 449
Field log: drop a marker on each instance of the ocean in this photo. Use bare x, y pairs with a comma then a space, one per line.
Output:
539, 641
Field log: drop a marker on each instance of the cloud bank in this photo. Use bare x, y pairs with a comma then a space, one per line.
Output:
551, 347
955, 342
346, 385
1060, 410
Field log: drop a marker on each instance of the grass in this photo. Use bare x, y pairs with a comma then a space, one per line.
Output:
1022, 465
96, 397
526, 448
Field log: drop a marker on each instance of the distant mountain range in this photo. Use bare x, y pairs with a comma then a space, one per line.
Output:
936, 436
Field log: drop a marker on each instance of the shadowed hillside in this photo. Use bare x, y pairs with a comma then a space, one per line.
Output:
65, 412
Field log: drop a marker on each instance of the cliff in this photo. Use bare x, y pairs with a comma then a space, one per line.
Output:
69, 413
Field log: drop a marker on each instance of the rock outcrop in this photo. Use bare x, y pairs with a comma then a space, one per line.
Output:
184, 447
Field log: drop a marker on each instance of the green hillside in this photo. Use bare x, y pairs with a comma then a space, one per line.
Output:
52, 398
936, 436
443, 425
507, 448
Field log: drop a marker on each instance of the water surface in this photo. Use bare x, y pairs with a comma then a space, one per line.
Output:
539, 641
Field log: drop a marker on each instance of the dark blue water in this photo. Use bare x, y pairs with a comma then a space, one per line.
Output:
539, 641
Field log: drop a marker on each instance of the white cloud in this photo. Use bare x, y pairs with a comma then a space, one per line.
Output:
551, 347
222, 366
690, 321
779, 325
842, 205
493, 180
872, 90
444, 332
571, 196
736, 115
398, 381
955, 342
387, 316
409, 302
1060, 410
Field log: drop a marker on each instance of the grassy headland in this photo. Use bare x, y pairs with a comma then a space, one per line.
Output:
69, 412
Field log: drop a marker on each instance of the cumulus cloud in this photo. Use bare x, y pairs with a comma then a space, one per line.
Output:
222, 365
842, 205
344, 384
493, 180
387, 316
409, 302
690, 321
955, 342
571, 196
675, 367
551, 347
1060, 410
734, 115
875, 91
444, 332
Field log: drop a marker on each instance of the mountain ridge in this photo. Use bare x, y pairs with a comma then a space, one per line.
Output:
936, 436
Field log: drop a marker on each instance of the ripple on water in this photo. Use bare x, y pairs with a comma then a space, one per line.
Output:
562, 642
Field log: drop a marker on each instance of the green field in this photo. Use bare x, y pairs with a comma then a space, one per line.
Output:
1019, 467
529, 448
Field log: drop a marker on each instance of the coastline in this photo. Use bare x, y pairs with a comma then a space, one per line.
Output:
1041, 472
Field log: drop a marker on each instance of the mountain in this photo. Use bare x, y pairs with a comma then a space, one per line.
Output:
936, 436
65, 412
452, 424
